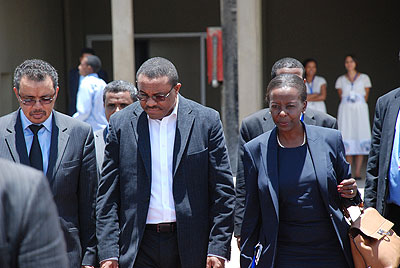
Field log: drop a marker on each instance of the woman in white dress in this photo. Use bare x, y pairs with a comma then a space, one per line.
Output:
316, 86
353, 116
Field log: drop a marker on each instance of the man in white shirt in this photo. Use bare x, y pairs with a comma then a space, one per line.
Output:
89, 101
166, 194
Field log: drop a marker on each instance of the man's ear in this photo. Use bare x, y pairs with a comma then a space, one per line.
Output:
16, 92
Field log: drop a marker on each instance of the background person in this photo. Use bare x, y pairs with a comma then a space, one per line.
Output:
89, 101
75, 79
116, 96
296, 179
353, 116
316, 86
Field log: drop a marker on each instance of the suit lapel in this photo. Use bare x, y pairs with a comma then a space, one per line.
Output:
268, 122
309, 118
16, 141
59, 140
142, 137
390, 125
269, 159
318, 157
184, 124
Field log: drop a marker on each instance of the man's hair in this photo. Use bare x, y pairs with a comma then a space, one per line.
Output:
286, 63
94, 62
87, 50
36, 70
120, 86
158, 67
287, 80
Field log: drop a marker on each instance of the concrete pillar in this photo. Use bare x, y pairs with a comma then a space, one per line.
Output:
123, 40
250, 68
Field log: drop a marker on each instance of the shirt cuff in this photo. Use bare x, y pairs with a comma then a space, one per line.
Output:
109, 259
212, 255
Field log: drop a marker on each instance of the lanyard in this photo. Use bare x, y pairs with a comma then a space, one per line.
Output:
311, 86
353, 80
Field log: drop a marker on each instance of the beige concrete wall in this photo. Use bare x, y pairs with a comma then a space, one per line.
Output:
29, 29
250, 75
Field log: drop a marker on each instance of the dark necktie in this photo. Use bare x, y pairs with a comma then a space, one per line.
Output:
35, 156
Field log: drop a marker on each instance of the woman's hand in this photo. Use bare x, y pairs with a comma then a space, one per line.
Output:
347, 188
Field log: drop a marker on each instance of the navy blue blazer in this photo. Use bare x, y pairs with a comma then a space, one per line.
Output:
253, 126
261, 218
202, 186
72, 175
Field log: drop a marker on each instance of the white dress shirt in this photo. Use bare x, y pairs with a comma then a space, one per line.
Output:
44, 136
162, 137
89, 102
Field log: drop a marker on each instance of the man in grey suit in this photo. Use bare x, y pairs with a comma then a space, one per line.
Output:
116, 96
166, 194
62, 147
30, 233
261, 122
382, 185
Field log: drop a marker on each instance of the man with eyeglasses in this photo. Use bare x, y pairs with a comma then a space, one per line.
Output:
61, 147
166, 193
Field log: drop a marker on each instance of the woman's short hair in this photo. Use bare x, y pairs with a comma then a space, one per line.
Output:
287, 80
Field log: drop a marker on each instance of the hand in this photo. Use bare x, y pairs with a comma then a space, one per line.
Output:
347, 188
87, 266
238, 241
109, 264
215, 262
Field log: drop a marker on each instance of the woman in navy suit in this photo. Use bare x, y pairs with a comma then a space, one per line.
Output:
297, 179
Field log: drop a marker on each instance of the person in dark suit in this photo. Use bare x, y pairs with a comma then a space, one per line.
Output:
382, 187
297, 180
30, 233
116, 96
60, 146
75, 79
261, 122
166, 192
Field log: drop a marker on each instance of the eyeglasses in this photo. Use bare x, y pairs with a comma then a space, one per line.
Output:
31, 102
157, 98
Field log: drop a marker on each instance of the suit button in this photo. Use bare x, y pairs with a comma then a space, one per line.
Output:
330, 215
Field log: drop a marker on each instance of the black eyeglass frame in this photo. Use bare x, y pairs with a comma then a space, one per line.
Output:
157, 98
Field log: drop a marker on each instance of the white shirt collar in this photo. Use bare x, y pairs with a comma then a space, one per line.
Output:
173, 114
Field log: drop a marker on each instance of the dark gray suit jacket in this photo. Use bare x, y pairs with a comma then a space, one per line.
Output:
202, 186
72, 175
376, 184
30, 233
253, 126
261, 217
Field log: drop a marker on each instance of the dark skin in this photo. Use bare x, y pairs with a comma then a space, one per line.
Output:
286, 107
